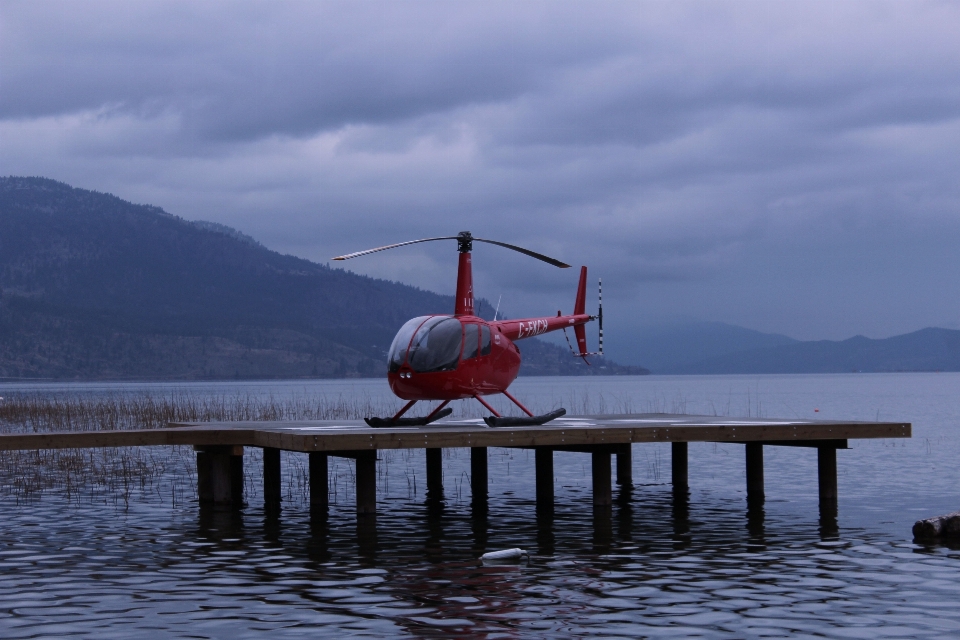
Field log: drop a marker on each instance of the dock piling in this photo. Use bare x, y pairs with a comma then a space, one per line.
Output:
434, 473
543, 457
602, 489
754, 472
827, 476
271, 478
366, 483
625, 465
319, 488
478, 474
219, 449
678, 466
220, 475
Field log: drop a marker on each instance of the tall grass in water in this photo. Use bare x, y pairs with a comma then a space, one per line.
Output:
33, 413
116, 474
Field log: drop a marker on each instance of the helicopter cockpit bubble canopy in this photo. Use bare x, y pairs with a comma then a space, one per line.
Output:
427, 344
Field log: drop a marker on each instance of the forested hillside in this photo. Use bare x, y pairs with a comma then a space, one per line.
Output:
93, 287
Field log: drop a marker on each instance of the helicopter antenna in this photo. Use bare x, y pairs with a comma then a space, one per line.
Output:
498, 308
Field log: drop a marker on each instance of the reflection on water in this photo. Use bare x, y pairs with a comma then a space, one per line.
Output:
699, 562
655, 563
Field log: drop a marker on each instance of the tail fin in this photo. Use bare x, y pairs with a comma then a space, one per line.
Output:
579, 307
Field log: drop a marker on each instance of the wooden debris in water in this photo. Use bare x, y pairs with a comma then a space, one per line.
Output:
947, 527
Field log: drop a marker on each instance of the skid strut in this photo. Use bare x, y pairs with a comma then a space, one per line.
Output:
496, 420
398, 421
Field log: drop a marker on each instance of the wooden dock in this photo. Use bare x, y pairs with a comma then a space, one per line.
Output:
220, 447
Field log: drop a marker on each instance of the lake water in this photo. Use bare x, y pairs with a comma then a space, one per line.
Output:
152, 566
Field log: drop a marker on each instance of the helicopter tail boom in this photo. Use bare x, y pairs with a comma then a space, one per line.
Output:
530, 327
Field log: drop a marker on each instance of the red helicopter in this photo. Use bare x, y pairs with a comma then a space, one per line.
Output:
441, 357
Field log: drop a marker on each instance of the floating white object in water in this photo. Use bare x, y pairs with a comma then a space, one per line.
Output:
506, 554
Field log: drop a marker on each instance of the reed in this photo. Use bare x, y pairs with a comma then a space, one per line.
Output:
26, 413
118, 474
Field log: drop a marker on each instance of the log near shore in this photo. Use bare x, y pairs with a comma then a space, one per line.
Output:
939, 527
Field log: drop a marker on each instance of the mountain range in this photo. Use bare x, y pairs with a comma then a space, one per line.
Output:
717, 348
93, 287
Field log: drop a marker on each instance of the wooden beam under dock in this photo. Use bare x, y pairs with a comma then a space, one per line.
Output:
271, 478
827, 477
220, 475
543, 463
319, 483
367, 484
478, 474
602, 489
625, 465
754, 472
434, 473
678, 466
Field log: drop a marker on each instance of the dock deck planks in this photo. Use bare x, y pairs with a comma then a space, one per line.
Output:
569, 431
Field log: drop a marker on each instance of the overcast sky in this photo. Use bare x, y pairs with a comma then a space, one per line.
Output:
788, 167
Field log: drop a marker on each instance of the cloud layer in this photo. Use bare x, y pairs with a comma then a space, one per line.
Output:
785, 166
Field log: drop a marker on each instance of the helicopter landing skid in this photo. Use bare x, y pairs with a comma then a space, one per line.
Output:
408, 422
527, 421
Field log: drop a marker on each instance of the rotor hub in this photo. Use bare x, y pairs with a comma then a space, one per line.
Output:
464, 242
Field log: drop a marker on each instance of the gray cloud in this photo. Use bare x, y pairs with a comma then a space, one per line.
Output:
709, 159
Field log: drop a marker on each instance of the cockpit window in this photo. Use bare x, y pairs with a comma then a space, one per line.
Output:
484, 340
398, 348
471, 339
436, 345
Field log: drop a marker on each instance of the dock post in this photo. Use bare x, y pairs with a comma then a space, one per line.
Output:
478, 473
602, 489
220, 475
271, 478
625, 465
827, 476
319, 490
434, 473
543, 456
678, 466
367, 483
754, 472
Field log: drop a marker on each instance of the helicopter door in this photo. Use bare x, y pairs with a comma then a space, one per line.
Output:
484, 340
471, 341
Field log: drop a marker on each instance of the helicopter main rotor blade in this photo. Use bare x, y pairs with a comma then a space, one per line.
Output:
391, 246
532, 254
463, 238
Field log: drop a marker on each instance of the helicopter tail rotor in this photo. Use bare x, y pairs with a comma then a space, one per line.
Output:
579, 307
600, 313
